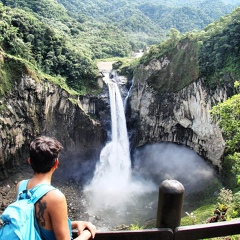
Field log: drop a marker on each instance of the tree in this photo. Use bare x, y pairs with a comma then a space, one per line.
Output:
227, 114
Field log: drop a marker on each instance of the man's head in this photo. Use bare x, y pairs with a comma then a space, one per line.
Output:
44, 151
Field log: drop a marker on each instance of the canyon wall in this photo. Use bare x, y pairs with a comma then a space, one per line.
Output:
156, 113
36, 108
181, 117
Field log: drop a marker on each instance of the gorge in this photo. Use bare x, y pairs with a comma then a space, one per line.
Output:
153, 119
51, 83
182, 117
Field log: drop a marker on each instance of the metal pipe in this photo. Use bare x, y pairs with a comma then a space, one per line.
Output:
170, 202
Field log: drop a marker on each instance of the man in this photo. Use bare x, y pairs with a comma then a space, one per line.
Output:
51, 210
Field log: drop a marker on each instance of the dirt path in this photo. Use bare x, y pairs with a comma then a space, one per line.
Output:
105, 66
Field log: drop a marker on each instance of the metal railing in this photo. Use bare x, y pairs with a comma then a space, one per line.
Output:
168, 227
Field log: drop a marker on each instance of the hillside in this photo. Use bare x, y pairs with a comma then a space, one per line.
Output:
214, 52
64, 39
148, 22
103, 26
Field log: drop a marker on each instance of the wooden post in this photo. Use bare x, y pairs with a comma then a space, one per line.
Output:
170, 202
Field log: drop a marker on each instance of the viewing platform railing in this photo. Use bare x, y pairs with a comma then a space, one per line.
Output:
170, 203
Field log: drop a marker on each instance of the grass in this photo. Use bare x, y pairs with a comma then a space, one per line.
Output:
12, 68
135, 226
198, 216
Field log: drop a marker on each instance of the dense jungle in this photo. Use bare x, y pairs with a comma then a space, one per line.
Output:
185, 88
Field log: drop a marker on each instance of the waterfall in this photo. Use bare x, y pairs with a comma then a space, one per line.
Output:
128, 95
113, 171
116, 195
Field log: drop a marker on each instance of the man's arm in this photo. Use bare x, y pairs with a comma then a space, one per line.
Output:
57, 210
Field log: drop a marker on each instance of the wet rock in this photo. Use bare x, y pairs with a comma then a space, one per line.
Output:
164, 113
122, 227
35, 108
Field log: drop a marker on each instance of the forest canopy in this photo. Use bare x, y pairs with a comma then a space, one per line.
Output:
217, 48
65, 38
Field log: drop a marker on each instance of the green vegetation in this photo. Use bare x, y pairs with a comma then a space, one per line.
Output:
136, 24
65, 40
32, 41
10, 68
181, 51
43, 35
5, 78
212, 54
147, 22
227, 116
198, 216
93, 38
135, 226
126, 66
219, 53
62, 43
73, 101
226, 208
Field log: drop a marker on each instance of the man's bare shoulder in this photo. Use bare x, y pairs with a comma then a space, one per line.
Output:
56, 202
55, 196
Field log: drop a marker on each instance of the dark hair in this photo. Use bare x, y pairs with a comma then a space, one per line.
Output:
43, 153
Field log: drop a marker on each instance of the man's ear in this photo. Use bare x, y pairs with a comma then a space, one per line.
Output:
56, 163
29, 162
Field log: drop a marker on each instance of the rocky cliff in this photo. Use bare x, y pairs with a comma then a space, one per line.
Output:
163, 107
39, 107
181, 117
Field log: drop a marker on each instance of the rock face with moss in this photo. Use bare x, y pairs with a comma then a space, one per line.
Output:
165, 113
41, 108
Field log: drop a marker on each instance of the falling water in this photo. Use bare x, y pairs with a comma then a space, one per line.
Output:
113, 194
113, 172
111, 187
